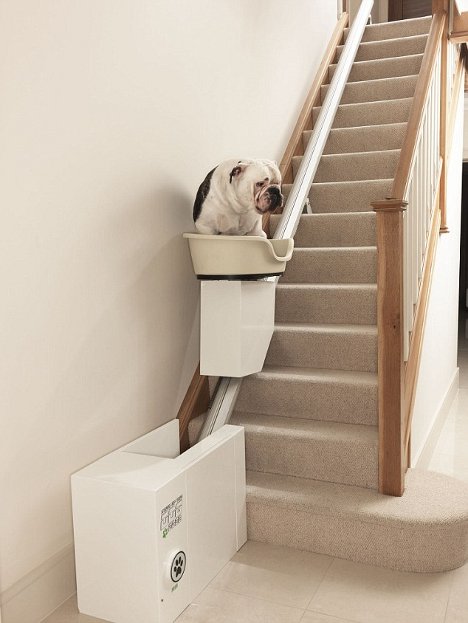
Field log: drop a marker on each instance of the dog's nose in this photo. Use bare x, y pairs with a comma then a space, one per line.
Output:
276, 198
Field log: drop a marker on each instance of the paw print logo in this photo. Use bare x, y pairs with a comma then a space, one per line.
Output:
178, 566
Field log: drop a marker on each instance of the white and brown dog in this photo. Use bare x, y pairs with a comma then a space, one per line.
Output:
235, 195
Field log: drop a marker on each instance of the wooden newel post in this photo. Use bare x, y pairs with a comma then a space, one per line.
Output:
392, 454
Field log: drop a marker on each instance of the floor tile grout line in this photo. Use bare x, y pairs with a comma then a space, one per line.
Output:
333, 558
340, 619
452, 581
264, 599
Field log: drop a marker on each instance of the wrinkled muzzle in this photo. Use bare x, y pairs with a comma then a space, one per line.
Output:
268, 199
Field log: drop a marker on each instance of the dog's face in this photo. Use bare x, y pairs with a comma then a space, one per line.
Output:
257, 184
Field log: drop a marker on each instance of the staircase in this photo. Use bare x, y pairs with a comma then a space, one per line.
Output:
310, 416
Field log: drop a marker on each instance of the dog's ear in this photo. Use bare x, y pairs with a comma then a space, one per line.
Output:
237, 170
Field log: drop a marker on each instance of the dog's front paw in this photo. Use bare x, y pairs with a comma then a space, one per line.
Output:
205, 229
257, 231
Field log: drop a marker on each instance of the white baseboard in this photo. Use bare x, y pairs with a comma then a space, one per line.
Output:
40, 592
422, 458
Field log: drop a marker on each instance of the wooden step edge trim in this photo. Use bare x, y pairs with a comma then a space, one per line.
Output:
196, 401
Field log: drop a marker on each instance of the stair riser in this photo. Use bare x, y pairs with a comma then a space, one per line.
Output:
393, 30
350, 167
348, 197
336, 266
372, 544
390, 48
373, 113
376, 90
319, 305
382, 68
362, 139
321, 459
332, 351
319, 230
328, 401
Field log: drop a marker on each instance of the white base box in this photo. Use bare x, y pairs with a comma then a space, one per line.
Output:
153, 527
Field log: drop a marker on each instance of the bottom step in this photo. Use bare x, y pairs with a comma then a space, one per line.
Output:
426, 530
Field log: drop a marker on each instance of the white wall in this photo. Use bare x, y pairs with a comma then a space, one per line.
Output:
112, 112
439, 352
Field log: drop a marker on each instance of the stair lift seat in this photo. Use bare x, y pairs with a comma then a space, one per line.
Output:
237, 300
237, 258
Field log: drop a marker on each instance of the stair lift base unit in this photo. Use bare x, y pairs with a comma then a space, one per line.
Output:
153, 528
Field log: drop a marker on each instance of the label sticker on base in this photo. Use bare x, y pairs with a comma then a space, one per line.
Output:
171, 516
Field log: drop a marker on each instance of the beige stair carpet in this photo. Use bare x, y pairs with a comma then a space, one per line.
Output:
310, 415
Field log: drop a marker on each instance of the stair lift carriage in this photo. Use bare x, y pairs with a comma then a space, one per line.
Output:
237, 275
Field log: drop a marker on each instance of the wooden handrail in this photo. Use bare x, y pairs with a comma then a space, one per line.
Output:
417, 108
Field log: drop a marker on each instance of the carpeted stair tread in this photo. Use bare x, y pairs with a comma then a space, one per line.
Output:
362, 138
394, 30
194, 428
425, 530
382, 68
332, 265
311, 393
375, 90
370, 113
331, 346
368, 165
327, 303
387, 48
344, 453
346, 229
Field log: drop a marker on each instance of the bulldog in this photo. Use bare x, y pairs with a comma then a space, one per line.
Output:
235, 195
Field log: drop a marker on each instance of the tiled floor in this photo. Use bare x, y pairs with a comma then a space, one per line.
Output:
269, 584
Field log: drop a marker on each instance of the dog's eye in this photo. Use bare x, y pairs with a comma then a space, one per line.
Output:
259, 184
